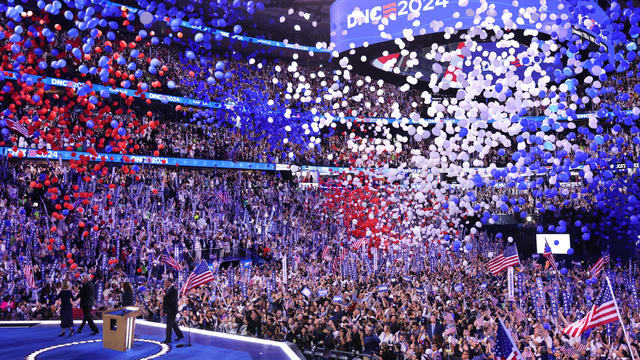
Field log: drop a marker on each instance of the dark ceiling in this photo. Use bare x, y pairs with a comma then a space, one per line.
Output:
317, 10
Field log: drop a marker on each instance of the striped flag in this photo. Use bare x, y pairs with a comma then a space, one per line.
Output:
223, 196
549, 256
580, 347
17, 127
343, 253
505, 348
599, 265
167, 259
503, 261
450, 330
200, 276
357, 244
604, 311
479, 322
28, 272
567, 350
519, 314
326, 255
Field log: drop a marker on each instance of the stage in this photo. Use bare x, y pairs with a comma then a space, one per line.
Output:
39, 340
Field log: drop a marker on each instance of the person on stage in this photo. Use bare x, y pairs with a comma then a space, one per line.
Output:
66, 310
170, 309
87, 297
127, 294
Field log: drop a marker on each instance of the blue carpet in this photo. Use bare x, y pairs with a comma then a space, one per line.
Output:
19, 342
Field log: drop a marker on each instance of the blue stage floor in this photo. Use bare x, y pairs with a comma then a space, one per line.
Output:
39, 340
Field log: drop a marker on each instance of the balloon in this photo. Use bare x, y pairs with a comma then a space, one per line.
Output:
146, 17
570, 251
237, 29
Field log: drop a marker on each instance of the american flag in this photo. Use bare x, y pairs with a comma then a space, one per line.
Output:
343, 253
519, 314
200, 276
450, 330
505, 348
569, 351
167, 259
28, 272
223, 196
505, 260
549, 256
357, 244
479, 322
326, 253
604, 311
580, 347
17, 127
599, 265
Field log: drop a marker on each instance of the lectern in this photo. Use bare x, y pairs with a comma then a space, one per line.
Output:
118, 328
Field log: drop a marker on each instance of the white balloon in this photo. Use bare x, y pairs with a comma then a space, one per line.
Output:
146, 17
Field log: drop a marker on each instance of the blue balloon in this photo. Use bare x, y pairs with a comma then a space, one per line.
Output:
237, 29
122, 131
114, 124
90, 124
570, 251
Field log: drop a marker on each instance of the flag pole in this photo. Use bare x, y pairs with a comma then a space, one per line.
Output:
624, 329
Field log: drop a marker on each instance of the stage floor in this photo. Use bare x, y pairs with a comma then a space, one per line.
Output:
39, 340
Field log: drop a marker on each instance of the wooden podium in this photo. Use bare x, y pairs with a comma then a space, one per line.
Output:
118, 328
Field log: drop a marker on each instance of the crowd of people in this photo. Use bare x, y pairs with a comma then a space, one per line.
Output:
414, 303
364, 264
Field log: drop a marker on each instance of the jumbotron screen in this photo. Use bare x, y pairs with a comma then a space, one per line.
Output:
355, 23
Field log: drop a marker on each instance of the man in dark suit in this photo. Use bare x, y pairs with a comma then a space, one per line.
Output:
87, 297
170, 309
434, 328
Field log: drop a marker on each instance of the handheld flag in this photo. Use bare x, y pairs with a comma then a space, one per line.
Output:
505, 260
601, 313
599, 265
200, 276
505, 348
165, 258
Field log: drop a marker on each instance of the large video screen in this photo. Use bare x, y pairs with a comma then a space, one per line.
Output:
356, 21
564, 243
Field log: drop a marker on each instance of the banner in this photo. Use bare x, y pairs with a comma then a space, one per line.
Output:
284, 269
510, 290
135, 159
117, 91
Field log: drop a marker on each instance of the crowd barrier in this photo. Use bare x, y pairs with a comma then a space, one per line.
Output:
62, 155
